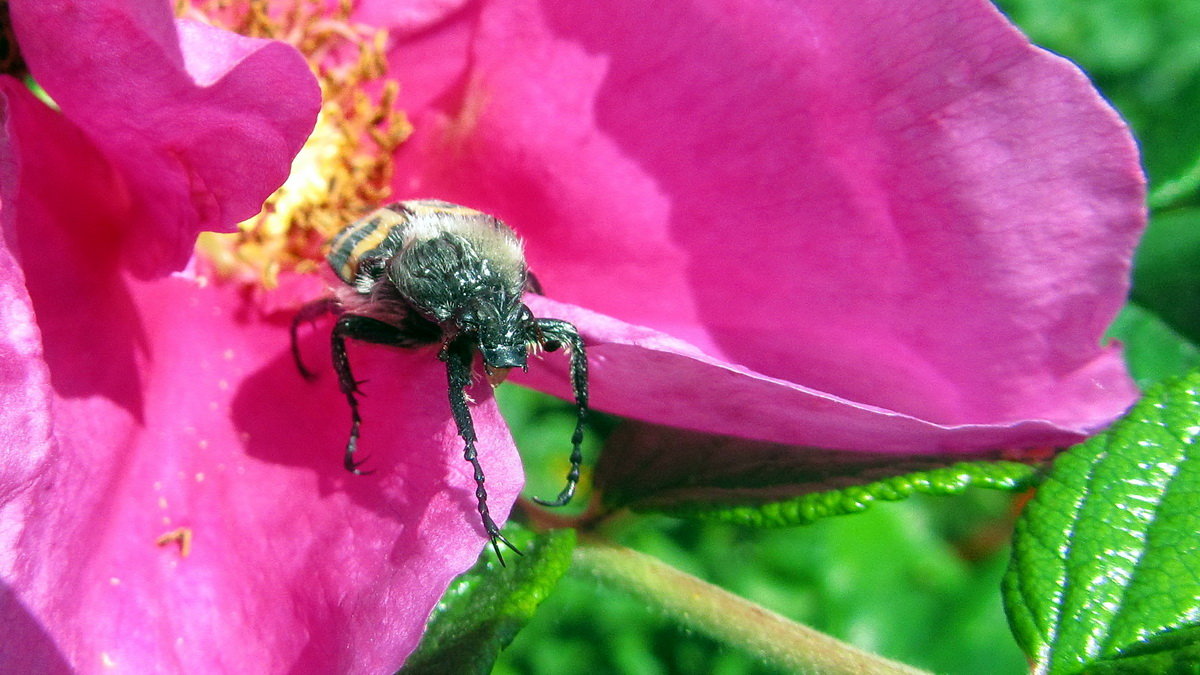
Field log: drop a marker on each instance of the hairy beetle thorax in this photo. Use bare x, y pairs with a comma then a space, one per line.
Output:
453, 263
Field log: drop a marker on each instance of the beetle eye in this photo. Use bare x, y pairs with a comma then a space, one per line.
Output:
551, 345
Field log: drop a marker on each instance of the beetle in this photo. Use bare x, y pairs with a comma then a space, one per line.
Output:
425, 273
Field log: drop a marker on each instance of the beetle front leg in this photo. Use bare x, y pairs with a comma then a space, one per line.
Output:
366, 329
459, 357
554, 333
309, 312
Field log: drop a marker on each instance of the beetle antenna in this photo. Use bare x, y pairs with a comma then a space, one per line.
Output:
459, 356
560, 332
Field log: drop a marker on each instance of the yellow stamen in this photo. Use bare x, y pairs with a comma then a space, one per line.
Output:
345, 167
181, 535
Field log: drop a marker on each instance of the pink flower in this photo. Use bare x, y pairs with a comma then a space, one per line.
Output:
171, 492
861, 226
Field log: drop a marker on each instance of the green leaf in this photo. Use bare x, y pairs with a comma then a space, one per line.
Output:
485, 608
808, 508
1176, 652
1153, 351
1176, 190
1106, 557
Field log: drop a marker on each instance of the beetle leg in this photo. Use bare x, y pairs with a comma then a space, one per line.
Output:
554, 333
349, 387
459, 357
412, 332
308, 313
366, 329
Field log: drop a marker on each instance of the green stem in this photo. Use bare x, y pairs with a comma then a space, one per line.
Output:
774, 639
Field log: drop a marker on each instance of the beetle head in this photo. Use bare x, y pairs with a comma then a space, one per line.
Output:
500, 334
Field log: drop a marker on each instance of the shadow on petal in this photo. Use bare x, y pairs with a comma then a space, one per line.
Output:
68, 248
407, 438
38, 652
287, 420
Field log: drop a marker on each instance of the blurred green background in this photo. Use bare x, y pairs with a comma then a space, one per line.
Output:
916, 581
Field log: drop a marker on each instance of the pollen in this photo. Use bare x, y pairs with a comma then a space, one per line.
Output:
181, 536
345, 167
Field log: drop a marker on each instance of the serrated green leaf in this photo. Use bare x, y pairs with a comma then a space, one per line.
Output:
807, 508
1153, 351
1106, 557
485, 608
1174, 652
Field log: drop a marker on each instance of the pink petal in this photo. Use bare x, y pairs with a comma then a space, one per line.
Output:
173, 404
701, 392
201, 124
433, 63
23, 377
406, 17
903, 214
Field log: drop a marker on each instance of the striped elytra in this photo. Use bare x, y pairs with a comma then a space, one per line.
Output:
382, 233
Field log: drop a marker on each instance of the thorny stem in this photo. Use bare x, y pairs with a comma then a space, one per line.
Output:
699, 605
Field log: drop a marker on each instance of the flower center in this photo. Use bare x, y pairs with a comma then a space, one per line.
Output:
345, 166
